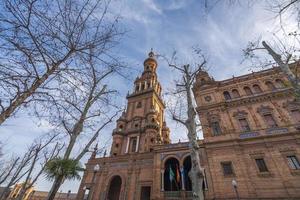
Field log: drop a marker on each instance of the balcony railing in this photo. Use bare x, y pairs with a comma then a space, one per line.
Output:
177, 195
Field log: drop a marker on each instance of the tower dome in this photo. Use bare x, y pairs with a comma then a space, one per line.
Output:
150, 63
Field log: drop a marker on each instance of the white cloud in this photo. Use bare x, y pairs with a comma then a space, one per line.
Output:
152, 6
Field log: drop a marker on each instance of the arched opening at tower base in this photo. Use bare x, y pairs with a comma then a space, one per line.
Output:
172, 176
114, 188
187, 166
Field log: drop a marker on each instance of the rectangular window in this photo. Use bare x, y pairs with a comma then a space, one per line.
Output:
139, 104
270, 120
244, 124
261, 165
227, 168
293, 162
145, 192
295, 115
133, 143
216, 129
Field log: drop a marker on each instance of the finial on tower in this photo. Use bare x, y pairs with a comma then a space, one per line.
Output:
151, 54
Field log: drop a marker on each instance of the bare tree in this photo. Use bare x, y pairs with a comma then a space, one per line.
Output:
285, 56
30, 166
285, 8
185, 102
83, 104
7, 169
40, 39
42, 156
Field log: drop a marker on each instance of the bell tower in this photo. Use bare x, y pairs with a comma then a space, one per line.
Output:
142, 124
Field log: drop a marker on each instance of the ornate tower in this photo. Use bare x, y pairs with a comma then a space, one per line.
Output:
142, 124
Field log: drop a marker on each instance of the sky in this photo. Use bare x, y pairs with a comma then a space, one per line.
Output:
222, 31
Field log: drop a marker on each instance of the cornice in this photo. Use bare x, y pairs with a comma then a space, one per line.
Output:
256, 140
256, 98
122, 158
242, 78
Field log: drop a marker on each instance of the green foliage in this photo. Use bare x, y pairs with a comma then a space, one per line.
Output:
67, 168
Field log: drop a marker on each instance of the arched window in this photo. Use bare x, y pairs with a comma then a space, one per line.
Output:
257, 89
114, 188
279, 83
187, 166
269, 119
266, 113
294, 110
296, 115
172, 176
235, 93
244, 124
137, 88
270, 85
216, 129
248, 90
227, 95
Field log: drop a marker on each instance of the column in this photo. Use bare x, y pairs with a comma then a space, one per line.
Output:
162, 173
127, 146
137, 144
182, 177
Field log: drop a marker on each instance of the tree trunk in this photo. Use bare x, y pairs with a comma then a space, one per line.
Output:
55, 187
70, 146
285, 69
59, 180
197, 175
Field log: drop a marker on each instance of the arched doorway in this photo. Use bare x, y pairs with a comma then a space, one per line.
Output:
114, 188
172, 177
187, 166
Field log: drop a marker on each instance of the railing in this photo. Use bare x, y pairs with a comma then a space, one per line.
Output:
177, 195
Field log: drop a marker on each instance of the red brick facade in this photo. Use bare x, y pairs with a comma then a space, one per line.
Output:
251, 131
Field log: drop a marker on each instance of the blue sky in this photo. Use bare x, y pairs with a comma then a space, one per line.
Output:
221, 31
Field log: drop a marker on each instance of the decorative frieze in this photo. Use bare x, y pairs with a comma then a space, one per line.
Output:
249, 135
276, 130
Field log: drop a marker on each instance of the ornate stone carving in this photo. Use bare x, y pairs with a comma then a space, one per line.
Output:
240, 114
291, 105
213, 117
264, 110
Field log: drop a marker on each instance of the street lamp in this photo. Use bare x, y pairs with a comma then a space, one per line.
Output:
234, 184
96, 169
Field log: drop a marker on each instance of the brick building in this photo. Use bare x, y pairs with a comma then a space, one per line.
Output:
251, 128
32, 194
